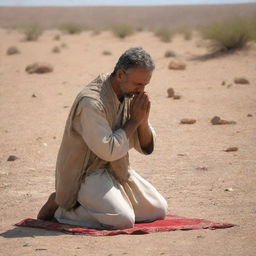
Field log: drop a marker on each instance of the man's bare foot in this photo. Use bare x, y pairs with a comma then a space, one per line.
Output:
48, 209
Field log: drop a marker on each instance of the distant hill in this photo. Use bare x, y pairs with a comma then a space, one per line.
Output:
147, 16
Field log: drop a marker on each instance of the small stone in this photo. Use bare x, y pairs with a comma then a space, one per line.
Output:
33, 95
201, 168
216, 120
229, 85
56, 49
229, 189
223, 83
39, 68
177, 65
231, 149
12, 158
249, 115
45, 144
54, 137
187, 121
106, 53
63, 45
26, 244
65, 106
12, 50
57, 37
181, 154
40, 249
176, 97
170, 92
241, 80
169, 54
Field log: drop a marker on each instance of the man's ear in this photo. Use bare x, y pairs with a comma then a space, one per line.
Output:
120, 75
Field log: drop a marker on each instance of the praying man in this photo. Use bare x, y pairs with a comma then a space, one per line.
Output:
95, 185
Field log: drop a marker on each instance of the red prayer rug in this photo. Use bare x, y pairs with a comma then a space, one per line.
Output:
170, 223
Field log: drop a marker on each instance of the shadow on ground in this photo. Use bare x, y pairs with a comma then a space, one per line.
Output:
28, 232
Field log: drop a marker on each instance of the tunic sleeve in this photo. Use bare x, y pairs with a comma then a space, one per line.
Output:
92, 125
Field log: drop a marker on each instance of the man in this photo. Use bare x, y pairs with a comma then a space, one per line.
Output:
95, 185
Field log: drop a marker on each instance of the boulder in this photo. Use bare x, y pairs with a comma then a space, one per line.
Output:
241, 80
169, 54
177, 65
187, 121
39, 68
170, 92
216, 120
12, 50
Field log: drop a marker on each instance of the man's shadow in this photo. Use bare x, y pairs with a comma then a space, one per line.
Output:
29, 232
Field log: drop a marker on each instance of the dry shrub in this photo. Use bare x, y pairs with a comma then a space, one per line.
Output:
122, 30
32, 31
164, 33
71, 28
227, 35
185, 31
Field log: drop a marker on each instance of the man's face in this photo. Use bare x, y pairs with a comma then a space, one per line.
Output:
133, 81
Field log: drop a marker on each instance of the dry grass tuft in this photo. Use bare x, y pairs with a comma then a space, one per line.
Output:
164, 33
71, 28
122, 30
228, 35
31, 31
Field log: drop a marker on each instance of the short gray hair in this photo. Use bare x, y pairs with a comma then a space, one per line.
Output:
134, 57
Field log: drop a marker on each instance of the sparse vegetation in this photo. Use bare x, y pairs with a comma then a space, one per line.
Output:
164, 33
185, 31
71, 28
32, 31
122, 30
227, 35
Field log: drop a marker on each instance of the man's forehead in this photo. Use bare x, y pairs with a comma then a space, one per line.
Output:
140, 74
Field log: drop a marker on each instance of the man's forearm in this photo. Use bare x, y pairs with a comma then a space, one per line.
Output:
130, 127
145, 137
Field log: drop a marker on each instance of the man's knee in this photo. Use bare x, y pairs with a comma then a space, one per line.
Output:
122, 221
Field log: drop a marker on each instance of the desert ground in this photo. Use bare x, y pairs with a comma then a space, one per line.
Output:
189, 166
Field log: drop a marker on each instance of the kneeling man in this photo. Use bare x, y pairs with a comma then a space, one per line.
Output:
95, 184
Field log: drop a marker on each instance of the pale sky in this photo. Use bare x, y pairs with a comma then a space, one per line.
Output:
114, 2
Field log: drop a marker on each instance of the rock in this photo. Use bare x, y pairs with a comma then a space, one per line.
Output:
12, 50
187, 121
169, 53
228, 189
176, 97
223, 83
170, 92
229, 85
106, 53
249, 115
63, 45
56, 49
231, 149
33, 95
39, 68
177, 65
57, 37
241, 80
216, 120
12, 158
201, 168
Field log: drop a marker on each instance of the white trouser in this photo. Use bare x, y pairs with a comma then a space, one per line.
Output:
105, 203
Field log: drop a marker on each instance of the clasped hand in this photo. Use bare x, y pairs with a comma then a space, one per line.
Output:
140, 107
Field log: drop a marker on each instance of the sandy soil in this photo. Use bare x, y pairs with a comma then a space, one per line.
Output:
31, 128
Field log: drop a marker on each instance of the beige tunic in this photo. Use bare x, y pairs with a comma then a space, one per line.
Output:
104, 201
